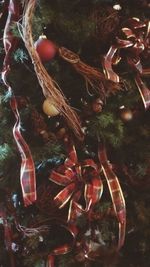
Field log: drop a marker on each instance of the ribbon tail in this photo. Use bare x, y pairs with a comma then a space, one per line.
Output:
93, 192
115, 192
75, 209
72, 158
50, 261
107, 65
62, 250
27, 172
144, 91
122, 232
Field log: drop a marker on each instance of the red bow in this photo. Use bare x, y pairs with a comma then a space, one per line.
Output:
137, 36
77, 177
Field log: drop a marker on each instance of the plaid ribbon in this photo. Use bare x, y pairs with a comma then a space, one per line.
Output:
27, 172
78, 178
115, 192
137, 35
62, 250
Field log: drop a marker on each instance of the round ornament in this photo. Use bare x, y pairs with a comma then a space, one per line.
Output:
97, 105
126, 114
49, 108
45, 48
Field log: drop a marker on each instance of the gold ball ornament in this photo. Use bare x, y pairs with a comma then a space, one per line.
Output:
126, 114
49, 108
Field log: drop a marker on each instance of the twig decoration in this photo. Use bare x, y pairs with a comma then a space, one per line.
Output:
49, 87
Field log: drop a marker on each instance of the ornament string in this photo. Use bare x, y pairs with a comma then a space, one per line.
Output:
115, 192
135, 43
27, 171
49, 86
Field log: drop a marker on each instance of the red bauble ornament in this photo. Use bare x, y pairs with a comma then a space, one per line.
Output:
45, 48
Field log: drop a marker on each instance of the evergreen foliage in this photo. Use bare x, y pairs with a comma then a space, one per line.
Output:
71, 24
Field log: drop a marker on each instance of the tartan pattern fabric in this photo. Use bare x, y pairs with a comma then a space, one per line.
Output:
79, 178
64, 249
27, 172
144, 91
50, 261
115, 192
137, 36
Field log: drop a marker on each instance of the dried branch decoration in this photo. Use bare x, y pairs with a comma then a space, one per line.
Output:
49, 86
93, 77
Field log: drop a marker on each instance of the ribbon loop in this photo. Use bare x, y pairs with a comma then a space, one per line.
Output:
115, 192
78, 178
136, 42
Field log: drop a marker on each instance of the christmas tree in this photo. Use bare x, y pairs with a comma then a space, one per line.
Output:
74, 133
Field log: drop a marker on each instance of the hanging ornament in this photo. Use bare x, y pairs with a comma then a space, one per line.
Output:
49, 108
45, 48
97, 105
126, 114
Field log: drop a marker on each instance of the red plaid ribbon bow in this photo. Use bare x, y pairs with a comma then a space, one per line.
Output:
84, 176
77, 177
27, 172
137, 35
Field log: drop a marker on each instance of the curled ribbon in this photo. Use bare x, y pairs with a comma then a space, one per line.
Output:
136, 41
71, 229
77, 177
115, 192
27, 172
62, 250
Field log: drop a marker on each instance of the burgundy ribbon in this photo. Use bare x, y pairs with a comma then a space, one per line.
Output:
77, 177
27, 172
137, 40
115, 192
62, 250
